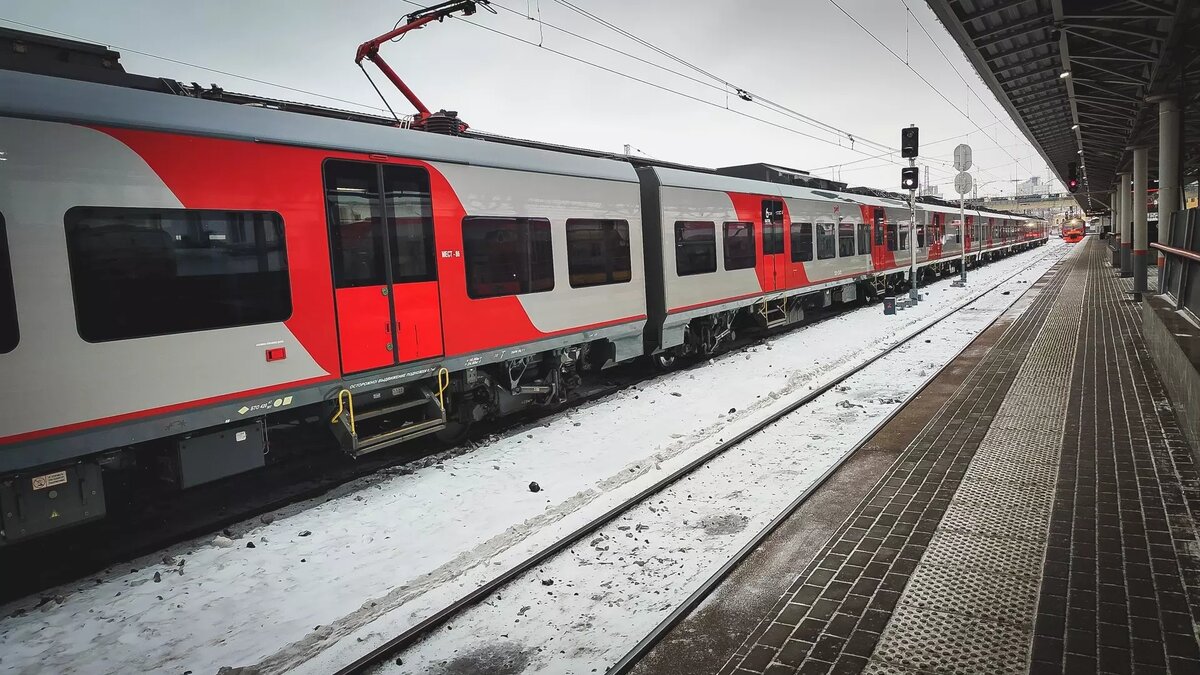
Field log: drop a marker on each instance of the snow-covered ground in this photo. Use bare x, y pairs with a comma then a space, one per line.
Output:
329, 579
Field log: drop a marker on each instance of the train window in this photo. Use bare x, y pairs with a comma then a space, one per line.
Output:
826, 241
846, 240
695, 247
138, 272
356, 232
802, 242
864, 238
359, 240
739, 246
9, 333
507, 256
772, 226
410, 223
920, 235
892, 234
597, 252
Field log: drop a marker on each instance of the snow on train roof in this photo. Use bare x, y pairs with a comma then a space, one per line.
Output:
66, 100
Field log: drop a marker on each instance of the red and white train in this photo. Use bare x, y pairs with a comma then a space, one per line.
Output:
176, 272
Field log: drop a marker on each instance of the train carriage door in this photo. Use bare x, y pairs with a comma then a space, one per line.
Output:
774, 265
381, 243
881, 258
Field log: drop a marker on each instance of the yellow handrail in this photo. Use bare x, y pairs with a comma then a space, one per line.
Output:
342, 407
443, 377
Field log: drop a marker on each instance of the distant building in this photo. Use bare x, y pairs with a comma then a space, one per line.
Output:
1032, 186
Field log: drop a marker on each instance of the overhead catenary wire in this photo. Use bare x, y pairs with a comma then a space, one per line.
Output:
919, 76
753, 97
970, 88
716, 83
656, 85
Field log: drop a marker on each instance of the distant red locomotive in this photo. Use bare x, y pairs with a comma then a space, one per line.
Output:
181, 273
1073, 232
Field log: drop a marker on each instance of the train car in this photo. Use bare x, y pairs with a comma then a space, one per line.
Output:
1073, 232
188, 269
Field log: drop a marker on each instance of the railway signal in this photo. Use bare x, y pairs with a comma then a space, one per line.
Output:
1073, 177
909, 137
908, 177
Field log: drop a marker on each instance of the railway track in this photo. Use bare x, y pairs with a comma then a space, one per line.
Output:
398, 644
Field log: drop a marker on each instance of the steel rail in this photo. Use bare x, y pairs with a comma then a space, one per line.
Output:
418, 631
631, 659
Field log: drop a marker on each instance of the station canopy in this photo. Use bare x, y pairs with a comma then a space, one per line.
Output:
1085, 75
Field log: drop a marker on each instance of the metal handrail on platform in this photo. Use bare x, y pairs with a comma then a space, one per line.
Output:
1190, 255
1180, 275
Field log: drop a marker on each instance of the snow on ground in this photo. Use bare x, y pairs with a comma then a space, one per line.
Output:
583, 610
408, 542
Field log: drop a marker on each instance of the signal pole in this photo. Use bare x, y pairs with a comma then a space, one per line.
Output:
913, 294
963, 185
909, 175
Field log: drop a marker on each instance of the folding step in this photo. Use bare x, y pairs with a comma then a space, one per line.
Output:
389, 424
774, 314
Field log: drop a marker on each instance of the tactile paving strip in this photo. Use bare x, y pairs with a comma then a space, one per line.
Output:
877, 667
970, 604
953, 643
948, 548
962, 590
1042, 474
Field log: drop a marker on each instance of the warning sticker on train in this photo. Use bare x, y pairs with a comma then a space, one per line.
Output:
266, 405
49, 480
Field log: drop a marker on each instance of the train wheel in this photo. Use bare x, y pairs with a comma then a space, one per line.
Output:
664, 362
453, 433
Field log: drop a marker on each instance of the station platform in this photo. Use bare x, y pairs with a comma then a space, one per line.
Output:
1032, 510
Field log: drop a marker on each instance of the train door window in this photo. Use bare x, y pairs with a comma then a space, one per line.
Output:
904, 230
864, 238
356, 234
695, 247
597, 252
772, 226
920, 235
880, 225
802, 242
140, 272
826, 241
410, 220
9, 332
507, 256
740, 252
846, 240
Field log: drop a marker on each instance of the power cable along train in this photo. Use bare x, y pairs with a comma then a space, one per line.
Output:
182, 268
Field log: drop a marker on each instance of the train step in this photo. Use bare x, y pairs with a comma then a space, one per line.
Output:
389, 424
774, 314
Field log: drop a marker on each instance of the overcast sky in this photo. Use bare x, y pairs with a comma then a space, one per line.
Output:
803, 54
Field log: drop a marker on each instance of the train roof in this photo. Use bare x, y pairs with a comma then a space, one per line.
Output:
69, 100
73, 81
